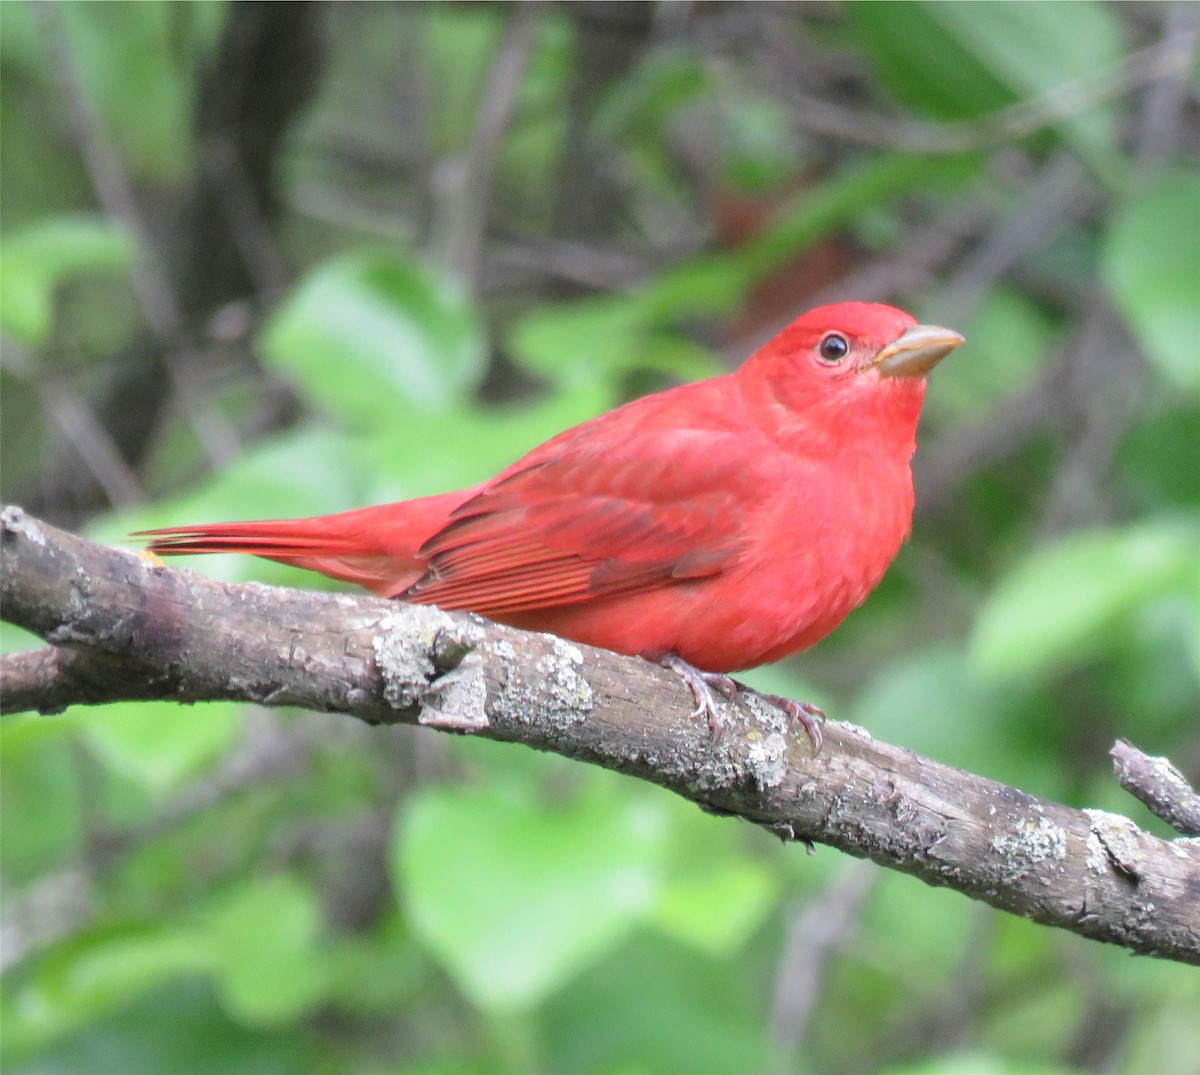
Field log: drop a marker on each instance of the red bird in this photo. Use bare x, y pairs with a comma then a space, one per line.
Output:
712, 527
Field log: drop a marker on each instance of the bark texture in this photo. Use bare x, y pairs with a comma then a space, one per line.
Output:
121, 626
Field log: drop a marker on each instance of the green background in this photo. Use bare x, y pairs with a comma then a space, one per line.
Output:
393, 291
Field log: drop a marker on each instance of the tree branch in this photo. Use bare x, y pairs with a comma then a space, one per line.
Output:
124, 627
1158, 784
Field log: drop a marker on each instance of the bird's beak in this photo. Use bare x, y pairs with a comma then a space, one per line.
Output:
916, 352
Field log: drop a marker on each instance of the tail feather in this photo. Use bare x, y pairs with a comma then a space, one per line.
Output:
267, 537
372, 547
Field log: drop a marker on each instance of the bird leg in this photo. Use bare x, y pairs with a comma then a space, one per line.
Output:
702, 685
807, 715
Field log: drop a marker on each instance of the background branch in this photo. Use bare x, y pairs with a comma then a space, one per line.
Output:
124, 627
1158, 784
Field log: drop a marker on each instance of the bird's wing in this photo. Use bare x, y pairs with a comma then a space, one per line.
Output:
599, 513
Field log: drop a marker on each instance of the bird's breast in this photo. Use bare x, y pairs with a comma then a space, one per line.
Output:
813, 550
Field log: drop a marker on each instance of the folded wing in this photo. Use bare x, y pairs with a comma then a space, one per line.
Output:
592, 517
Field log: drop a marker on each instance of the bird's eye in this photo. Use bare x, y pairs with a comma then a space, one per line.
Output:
834, 347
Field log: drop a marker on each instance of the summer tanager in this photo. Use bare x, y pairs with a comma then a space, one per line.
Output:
712, 527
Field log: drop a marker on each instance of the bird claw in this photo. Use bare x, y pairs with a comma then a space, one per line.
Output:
810, 717
702, 685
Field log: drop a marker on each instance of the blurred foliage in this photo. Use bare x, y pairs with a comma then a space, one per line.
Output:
472, 264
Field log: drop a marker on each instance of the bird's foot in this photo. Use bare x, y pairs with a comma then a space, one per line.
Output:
810, 717
703, 684
807, 715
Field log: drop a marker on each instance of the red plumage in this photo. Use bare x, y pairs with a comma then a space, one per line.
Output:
730, 522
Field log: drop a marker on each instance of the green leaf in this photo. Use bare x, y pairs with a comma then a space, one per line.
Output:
430, 453
839, 200
576, 342
649, 98
515, 897
959, 60
136, 64
1151, 261
676, 1010
919, 933
705, 286
457, 46
531, 153
609, 335
160, 744
919, 701
383, 971
177, 1028
264, 950
1021, 44
605, 337
757, 137
1192, 638
1065, 603
715, 911
373, 333
40, 811
90, 976
41, 257
1009, 336
920, 64
959, 1061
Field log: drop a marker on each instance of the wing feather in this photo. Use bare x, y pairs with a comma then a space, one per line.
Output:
595, 516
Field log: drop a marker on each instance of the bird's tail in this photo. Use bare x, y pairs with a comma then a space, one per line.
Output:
372, 547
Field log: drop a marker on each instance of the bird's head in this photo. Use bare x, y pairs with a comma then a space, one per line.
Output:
857, 365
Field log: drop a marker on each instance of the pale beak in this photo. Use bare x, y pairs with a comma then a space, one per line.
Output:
916, 352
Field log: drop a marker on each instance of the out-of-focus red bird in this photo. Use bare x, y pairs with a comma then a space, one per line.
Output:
715, 526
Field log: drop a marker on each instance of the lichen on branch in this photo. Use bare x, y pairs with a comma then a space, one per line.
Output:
122, 627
